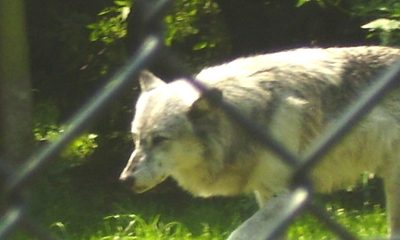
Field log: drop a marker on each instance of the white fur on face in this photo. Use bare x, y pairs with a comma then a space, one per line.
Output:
146, 172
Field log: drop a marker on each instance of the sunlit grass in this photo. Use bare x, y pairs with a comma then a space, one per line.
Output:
131, 226
81, 210
365, 223
368, 222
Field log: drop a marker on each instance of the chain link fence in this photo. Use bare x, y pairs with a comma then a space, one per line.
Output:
280, 211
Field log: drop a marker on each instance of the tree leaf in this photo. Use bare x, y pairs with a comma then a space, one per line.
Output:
384, 24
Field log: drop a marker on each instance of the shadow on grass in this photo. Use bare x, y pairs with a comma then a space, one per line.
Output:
79, 203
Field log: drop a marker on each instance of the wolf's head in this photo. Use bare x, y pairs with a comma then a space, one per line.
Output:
163, 133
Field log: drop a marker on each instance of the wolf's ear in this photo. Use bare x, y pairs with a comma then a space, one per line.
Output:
149, 81
205, 104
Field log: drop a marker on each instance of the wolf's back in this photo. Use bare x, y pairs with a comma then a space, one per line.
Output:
329, 78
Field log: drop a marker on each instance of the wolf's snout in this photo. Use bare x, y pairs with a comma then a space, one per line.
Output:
127, 180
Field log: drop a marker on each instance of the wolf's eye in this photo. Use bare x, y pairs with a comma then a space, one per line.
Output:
158, 140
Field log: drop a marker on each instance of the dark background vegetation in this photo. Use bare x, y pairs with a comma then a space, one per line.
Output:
76, 45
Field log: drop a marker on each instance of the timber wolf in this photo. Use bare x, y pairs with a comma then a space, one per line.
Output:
294, 95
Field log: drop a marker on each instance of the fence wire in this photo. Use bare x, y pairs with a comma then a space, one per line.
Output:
280, 211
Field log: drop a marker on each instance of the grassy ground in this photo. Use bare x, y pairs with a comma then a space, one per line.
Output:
80, 208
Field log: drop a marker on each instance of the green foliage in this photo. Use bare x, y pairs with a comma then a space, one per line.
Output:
376, 8
81, 148
46, 130
131, 226
387, 30
370, 222
183, 22
366, 222
76, 152
142, 218
301, 3
188, 31
385, 15
382, 16
111, 25
86, 208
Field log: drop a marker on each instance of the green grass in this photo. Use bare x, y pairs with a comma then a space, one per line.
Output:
368, 222
74, 208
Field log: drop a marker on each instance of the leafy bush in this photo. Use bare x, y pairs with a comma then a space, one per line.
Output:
47, 129
112, 23
382, 16
387, 30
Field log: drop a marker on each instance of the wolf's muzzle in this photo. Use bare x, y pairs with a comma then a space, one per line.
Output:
127, 180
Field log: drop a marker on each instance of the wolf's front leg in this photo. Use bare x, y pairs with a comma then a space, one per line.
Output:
392, 193
270, 222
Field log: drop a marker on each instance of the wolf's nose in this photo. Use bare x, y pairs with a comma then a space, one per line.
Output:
127, 180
